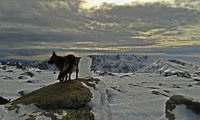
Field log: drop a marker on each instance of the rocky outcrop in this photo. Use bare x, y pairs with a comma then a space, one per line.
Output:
3, 101
177, 73
18, 65
180, 100
30, 74
69, 95
79, 115
72, 97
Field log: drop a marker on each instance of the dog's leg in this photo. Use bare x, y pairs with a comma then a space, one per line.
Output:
70, 76
65, 78
61, 79
77, 70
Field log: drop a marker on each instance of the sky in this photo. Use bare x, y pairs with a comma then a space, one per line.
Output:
33, 29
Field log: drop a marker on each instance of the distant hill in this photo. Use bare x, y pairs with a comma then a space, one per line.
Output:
126, 63
3, 62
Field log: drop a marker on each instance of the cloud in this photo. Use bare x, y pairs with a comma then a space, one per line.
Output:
37, 27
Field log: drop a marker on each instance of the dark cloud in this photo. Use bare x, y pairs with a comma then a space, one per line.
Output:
148, 16
37, 27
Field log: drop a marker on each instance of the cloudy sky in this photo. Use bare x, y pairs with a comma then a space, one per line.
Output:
32, 29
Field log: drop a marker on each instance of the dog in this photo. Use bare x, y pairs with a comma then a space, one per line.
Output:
65, 64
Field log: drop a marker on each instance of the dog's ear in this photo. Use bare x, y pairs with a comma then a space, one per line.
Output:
54, 54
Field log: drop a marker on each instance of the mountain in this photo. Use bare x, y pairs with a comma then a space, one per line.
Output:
130, 63
42, 65
123, 63
173, 67
3, 62
145, 88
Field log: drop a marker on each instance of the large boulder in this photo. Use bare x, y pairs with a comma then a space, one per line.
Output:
72, 100
69, 95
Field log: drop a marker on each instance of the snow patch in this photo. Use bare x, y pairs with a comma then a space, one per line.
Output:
182, 113
99, 103
84, 67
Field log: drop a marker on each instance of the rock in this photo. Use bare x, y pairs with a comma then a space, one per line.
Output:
28, 74
69, 95
198, 84
180, 100
183, 74
196, 79
18, 65
23, 92
125, 76
7, 78
30, 81
11, 71
79, 115
106, 74
158, 93
3, 101
3, 68
21, 77
177, 73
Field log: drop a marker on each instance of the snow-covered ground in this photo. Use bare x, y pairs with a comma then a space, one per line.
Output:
140, 94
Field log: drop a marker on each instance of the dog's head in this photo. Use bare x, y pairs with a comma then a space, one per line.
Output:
53, 58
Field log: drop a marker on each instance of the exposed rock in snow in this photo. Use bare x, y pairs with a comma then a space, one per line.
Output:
17, 64
3, 101
30, 74
177, 100
52, 101
69, 95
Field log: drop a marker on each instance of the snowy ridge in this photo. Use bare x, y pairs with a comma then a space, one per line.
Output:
117, 96
129, 63
120, 63
99, 102
173, 67
42, 65
143, 64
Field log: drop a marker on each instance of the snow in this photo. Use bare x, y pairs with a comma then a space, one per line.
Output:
84, 67
128, 101
182, 113
99, 102
136, 89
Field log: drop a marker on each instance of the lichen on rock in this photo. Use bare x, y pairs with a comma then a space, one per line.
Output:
69, 95
180, 100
